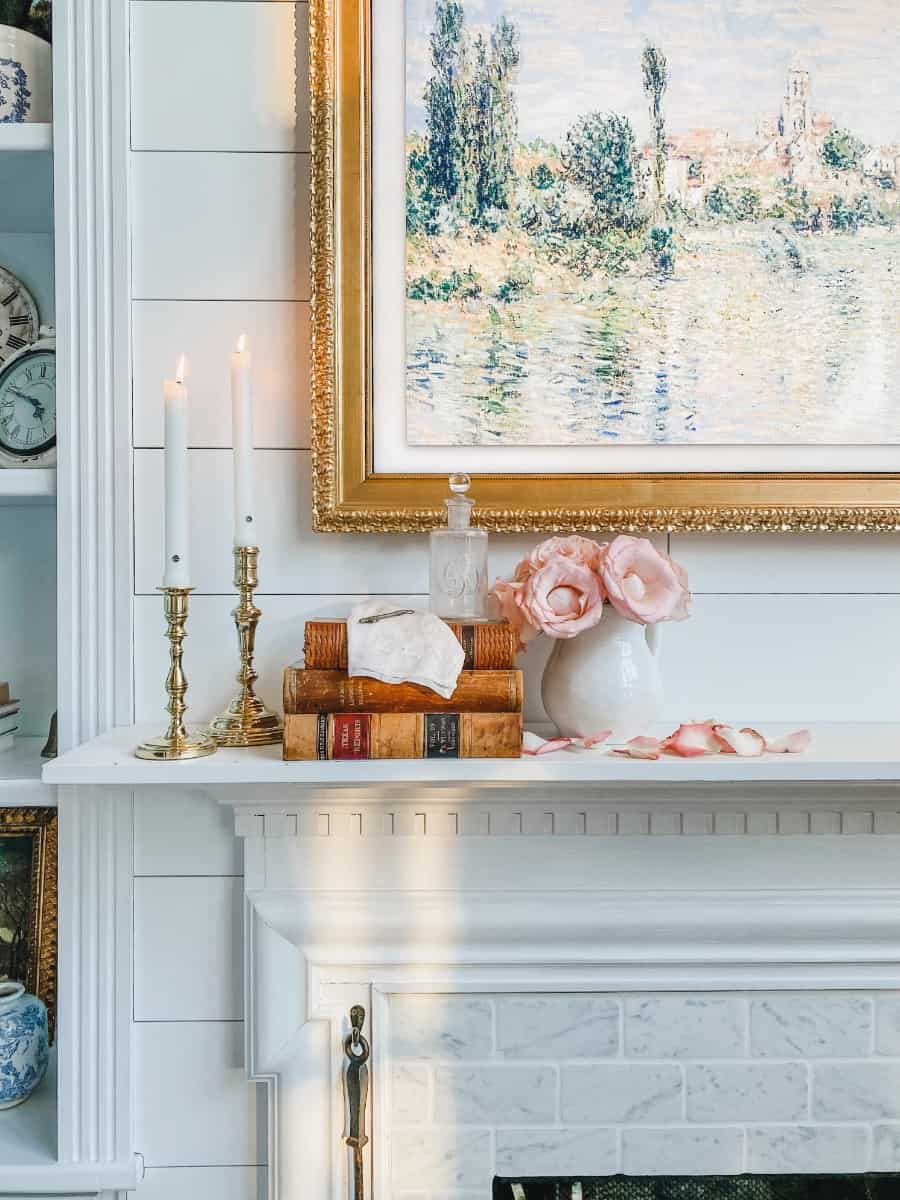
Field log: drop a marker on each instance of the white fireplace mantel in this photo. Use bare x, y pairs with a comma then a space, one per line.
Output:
364, 880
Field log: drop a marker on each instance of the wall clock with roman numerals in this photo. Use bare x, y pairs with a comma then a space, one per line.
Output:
28, 406
19, 322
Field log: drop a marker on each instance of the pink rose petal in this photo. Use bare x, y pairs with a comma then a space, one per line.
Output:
596, 739
690, 741
533, 744
746, 743
791, 743
641, 747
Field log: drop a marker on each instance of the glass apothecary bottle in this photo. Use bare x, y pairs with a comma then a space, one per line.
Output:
459, 559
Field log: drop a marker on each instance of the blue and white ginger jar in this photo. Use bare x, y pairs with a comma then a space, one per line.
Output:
24, 1043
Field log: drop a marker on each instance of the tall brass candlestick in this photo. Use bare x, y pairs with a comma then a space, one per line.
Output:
178, 741
246, 721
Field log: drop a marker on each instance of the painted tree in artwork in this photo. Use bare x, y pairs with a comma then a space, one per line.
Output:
499, 166
655, 70
443, 100
600, 155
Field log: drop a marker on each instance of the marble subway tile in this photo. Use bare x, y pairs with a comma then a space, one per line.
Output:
446, 1158
556, 1152
681, 1151
856, 1091
747, 1091
440, 1027
557, 1027
774, 1150
811, 1026
887, 1025
685, 1027
626, 1093
885, 1148
409, 1094
496, 1095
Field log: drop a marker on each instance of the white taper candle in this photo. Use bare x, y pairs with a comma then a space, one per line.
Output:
242, 441
177, 573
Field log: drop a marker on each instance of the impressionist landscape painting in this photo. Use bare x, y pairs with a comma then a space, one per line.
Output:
652, 222
15, 905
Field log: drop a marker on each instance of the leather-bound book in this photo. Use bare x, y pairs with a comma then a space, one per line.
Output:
310, 736
336, 691
488, 645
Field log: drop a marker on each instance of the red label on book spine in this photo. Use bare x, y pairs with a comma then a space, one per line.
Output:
351, 735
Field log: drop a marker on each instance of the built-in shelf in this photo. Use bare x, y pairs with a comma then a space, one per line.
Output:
26, 136
21, 485
28, 1138
20, 775
859, 753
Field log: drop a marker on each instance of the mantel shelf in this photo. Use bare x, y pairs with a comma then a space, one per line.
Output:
27, 485
22, 136
841, 753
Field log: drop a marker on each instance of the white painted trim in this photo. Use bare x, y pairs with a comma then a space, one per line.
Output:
91, 133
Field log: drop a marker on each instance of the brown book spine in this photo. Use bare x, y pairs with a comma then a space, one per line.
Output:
345, 736
489, 645
336, 691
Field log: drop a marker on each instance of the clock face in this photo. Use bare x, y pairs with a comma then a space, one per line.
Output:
28, 404
19, 323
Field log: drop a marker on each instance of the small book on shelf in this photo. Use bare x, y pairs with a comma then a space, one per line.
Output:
347, 736
488, 645
307, 691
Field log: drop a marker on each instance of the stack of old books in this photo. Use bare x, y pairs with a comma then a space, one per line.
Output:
330, 714
9, 718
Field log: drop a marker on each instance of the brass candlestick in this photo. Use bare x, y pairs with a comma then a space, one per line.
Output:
178, 741
246, 721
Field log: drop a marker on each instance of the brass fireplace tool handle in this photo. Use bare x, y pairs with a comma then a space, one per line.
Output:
356, 1091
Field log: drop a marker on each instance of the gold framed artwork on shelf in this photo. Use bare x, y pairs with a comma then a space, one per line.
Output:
28, 902
529, 264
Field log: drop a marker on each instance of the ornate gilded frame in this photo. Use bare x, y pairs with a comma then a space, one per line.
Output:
40, 824
349, 496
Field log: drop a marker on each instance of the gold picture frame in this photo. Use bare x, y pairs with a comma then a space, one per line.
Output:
37, 829
350, 496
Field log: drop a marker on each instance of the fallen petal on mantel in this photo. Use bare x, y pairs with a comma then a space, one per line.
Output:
641, 747
533, 743
690, 741
791, 743
747, 743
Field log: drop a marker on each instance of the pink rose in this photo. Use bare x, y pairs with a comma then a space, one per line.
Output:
642, 583
562, 598
585, 551
509, 602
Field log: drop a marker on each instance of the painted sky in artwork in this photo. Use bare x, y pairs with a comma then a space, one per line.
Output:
728, 60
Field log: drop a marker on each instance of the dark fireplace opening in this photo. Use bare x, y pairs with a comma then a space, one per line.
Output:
702, 1187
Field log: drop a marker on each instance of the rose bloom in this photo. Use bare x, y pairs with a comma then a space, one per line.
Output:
642, 583
509, 601
562, 598
585, 551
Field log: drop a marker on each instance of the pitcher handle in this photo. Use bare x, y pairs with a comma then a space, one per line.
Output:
652, 633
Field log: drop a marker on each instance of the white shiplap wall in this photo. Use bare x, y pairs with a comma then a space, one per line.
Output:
783, 628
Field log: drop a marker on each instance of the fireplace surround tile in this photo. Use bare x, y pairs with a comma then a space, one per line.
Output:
812, 1027
862, 1091
434, 1027
747, 1091
685, 1027
495, 1095
449, 1159
549, 1026
886, 1148
625, 1093
887, 1028
553, 1151
680, 1151
807, 1149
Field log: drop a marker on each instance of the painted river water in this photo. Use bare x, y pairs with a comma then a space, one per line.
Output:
761, 335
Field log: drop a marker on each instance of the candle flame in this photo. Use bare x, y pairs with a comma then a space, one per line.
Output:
181, 370
241, 347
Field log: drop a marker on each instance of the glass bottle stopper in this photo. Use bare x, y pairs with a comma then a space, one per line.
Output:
459, 505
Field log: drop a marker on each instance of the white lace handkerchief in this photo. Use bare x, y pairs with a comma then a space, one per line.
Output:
417, 647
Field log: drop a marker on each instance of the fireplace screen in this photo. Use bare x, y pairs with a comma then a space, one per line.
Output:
711, 1187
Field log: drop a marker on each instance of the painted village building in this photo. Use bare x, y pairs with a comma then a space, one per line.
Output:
786, 149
